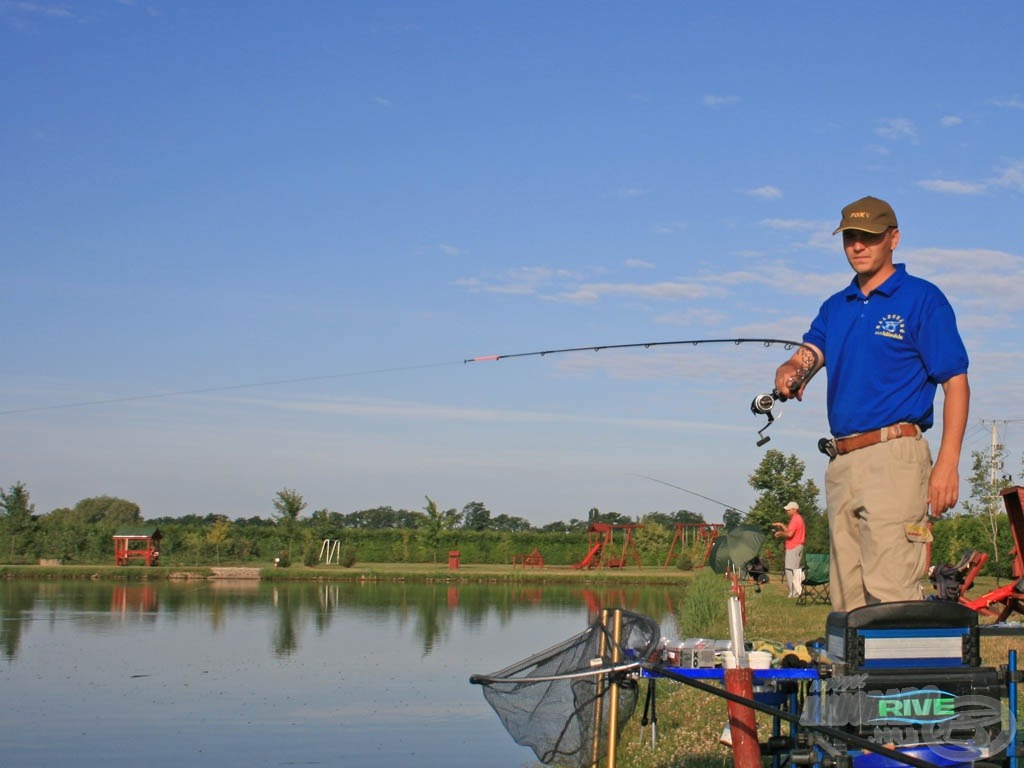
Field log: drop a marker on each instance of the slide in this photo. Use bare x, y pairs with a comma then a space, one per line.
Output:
588, 561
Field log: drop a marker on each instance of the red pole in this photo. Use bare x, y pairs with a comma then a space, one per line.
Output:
746, 750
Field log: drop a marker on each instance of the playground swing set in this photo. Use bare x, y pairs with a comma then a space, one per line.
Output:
601, 546
689, 534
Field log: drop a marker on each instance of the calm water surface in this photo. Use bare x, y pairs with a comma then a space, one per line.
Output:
238, 673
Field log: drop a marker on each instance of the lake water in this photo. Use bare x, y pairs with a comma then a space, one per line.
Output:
245, 673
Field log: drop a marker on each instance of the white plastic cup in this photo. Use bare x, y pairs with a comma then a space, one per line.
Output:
760, 660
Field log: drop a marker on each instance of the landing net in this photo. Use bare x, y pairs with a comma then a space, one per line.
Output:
559, 702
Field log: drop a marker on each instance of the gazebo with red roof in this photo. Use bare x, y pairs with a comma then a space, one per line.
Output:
137, 544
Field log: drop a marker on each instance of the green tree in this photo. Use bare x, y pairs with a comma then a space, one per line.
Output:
780, 479
382, 517
652, 540
109, 510
289, 505
435, 525
218, 534
84, 531
476, 517
17, 520
731, 518
683, 516
985, 502
510, 524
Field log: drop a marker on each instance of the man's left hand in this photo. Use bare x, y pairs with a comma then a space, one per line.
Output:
943, 489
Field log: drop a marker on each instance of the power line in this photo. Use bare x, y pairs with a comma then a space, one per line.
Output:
994, 464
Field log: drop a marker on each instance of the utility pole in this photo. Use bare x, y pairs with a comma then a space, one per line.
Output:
995, 461
995, 464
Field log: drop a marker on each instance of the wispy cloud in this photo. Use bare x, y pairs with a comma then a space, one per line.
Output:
767, 192
380, 101
630, 193
793, 224
982, 278
692, 317
589, 292
950, 120
449, 250
1014, 102
448, 413
520, 280
719, 101
818, 233
1009, 175
952, 187
896, 129
36, 9
670, 227
639, 264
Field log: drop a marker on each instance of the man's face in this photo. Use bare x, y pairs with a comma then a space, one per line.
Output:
870, 253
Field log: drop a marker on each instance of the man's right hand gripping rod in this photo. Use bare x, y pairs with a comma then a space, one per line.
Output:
794, 375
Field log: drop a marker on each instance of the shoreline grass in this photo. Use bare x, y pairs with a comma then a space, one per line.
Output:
466, 573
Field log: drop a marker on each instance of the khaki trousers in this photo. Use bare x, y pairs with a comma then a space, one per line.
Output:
873, 494
794, 557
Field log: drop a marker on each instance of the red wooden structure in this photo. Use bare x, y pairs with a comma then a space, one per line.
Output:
690, 533
601, 538
533, 560
138, 545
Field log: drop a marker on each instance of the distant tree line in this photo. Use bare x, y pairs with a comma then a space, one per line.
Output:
83, 533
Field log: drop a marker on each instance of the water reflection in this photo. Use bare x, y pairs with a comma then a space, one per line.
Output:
221, 673
428, 609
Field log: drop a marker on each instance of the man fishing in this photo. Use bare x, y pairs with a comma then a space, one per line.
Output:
888, 340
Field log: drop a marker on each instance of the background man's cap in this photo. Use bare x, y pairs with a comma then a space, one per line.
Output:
869, 214
792, 505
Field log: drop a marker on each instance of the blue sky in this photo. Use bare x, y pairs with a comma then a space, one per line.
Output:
349, 199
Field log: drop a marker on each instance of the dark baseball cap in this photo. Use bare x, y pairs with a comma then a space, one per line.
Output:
869, 214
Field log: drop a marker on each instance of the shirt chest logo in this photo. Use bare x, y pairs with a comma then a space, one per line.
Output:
892, 326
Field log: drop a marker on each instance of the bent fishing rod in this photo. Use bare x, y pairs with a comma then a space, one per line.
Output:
762, 405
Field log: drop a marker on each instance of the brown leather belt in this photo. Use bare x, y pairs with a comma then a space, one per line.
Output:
864, 439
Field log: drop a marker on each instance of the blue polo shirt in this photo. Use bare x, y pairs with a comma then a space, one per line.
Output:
886, 353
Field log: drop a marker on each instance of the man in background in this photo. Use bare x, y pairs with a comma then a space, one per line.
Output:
795, 533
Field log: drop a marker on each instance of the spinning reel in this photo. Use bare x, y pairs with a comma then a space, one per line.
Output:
806, 362
764, 405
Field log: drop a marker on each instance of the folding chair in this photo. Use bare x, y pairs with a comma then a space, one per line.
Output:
815, 587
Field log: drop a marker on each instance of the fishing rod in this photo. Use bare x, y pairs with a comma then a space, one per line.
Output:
762, 405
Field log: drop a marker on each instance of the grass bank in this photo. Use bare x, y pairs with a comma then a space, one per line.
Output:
425, 572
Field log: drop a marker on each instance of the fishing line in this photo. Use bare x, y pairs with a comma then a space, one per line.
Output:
686, 490
225, 388
767, 342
